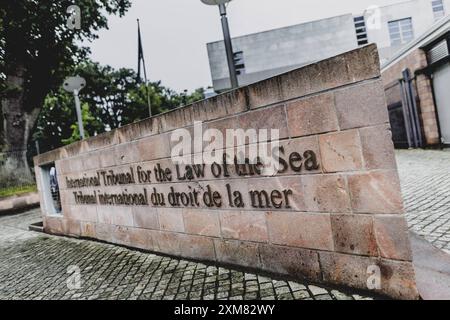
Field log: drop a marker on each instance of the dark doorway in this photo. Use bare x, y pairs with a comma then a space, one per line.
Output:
397, 120
404, 113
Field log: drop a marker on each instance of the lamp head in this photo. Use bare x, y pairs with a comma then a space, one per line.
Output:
214, 2
74, 83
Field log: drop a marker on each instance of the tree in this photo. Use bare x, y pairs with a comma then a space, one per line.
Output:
57, 122
107, 92
112, 98
38, 50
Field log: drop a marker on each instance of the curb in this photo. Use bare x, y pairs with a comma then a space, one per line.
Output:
16, 204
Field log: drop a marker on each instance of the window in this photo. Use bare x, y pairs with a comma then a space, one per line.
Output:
361, 32
400, 31
438, 9
438, 52
239, 62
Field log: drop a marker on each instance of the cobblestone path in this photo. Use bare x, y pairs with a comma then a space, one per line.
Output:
35, 266
425, 181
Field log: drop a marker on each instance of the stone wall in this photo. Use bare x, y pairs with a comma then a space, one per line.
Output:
341, 216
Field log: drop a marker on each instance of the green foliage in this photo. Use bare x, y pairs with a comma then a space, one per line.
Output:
88, 120
112, 98
37, 46
17, 190
106, 91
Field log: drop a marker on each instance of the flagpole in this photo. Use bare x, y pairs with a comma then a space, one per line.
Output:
141, 57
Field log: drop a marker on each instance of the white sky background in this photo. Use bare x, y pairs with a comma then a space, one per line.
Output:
175, 32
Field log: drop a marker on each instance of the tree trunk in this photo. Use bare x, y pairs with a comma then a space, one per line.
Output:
17, 124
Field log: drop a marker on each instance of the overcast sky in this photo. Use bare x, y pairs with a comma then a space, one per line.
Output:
175, 32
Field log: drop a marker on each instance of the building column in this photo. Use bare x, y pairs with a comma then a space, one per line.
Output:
428, 109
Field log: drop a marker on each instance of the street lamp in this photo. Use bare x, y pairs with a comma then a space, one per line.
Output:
227, 38
75, 85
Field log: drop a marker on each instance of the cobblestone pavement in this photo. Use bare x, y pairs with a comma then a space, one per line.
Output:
35, 266
425, 181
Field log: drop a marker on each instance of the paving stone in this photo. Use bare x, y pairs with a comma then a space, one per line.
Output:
222, 295
279, 283
265, 285
296, 286
282, 290
358, 297
323, 297
252, 289
302, 294
251, 296
285, 296
34, 268
340, 295
317, 290
266, 292
249, 276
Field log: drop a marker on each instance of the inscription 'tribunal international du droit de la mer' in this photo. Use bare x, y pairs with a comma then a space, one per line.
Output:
182, 187
328, 209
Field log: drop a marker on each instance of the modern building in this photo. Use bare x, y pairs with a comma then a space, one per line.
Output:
265, 54
417, 83
393, 26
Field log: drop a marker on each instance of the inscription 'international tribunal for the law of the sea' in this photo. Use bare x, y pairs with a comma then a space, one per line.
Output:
193, 196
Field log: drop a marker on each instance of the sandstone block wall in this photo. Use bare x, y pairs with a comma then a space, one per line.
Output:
344, 215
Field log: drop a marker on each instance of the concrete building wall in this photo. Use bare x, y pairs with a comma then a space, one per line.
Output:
421, 13
276, 51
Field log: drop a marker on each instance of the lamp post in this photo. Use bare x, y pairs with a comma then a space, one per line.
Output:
227, 39
74, 85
